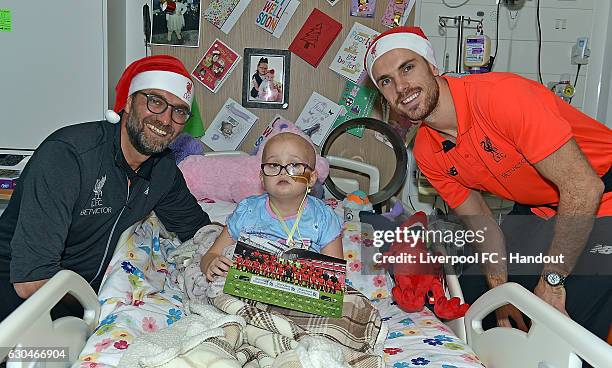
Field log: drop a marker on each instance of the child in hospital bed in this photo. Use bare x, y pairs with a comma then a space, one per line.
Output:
285, 213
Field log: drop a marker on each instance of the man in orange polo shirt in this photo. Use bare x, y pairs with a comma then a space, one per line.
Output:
510, 136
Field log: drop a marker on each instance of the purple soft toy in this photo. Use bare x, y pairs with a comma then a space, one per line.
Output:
185, 145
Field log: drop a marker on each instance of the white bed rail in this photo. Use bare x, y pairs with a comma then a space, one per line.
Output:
553, 341
453, 289
30, 325
361, 167
226, 153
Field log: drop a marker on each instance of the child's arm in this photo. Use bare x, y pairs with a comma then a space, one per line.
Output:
334, 249
213, 263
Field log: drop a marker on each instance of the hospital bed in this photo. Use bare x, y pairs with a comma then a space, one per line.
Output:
414, 339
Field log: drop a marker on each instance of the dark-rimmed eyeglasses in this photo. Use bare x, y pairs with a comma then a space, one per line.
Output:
293, 168
158, 105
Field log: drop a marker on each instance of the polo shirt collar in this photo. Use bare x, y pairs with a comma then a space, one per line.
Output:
464, 117
145, 168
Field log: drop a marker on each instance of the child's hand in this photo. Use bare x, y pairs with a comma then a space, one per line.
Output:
218, 267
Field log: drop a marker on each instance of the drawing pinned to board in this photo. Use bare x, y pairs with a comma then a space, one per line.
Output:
224, 14
176, 23
317, 117
265, 78
230, 126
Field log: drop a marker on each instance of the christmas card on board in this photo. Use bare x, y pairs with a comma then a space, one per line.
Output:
317, 117
229, 127
363, 8
216, 65
358, 102
275, 15
223, 14
396, 13
349, 59
315, 37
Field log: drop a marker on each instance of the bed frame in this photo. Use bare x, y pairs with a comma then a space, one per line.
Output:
30, 325
554, 340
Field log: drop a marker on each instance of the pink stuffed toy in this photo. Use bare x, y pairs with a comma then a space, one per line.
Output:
233, 178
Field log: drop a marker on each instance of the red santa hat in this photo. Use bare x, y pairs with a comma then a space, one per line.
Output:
409, 38
163, 72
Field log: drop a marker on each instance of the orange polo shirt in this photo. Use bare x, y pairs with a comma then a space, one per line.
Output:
506, 123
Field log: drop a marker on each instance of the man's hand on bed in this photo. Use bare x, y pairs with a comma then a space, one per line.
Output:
507, 312
553, 295
26, 289
218, 267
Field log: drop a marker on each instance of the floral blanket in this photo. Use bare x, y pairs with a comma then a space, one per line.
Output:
421, 340
138, 296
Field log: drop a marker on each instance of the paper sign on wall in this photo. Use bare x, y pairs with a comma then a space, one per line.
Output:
5, 20
275, 15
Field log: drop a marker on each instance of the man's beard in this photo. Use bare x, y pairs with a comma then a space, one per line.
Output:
136, 133
429, 103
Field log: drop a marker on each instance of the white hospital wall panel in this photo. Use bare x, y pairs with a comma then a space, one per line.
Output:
562, 22
511, 56
577, 101
559, 4
52, 71
561, 25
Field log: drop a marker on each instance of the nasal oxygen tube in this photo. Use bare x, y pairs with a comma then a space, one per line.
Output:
291, 231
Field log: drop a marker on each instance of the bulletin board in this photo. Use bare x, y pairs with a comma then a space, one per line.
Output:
304, 78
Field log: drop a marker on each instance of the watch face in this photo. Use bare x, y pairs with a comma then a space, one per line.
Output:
553, 278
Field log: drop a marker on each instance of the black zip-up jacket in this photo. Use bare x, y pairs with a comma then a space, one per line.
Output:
72, 202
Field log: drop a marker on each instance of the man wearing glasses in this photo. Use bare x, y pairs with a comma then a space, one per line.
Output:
87, 183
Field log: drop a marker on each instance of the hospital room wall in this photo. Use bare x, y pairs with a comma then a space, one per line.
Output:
562, 22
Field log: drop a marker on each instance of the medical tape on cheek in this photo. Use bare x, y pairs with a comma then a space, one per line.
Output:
304, 178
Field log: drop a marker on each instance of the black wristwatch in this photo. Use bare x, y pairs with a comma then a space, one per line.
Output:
554, 278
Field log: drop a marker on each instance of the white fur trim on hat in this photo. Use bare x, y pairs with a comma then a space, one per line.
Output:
112, 116
177, 84
403, 40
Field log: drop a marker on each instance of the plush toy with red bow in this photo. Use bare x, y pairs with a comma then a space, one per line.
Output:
416, 282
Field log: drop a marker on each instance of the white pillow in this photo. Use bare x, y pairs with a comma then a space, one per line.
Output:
218, 211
